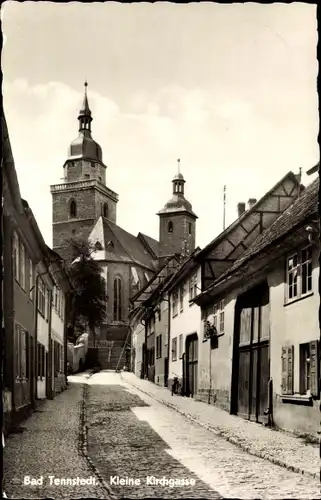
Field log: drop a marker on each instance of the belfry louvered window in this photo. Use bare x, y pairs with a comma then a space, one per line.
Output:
73, 209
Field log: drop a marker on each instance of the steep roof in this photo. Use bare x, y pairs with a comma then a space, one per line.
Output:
299, 212
120, 245
151, 243
245, 214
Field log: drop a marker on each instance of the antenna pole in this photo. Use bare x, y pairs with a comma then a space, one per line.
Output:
224, 206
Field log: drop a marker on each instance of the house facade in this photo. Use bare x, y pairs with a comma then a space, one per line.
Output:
150, 326
27, 284
264, 363
185, 323
20, 257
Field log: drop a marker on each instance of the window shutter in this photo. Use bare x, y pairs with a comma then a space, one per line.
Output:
287, 369
290, 369
314, 356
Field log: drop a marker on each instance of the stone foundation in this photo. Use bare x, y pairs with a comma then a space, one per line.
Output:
218, 397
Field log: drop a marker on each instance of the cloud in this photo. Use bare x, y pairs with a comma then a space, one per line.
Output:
221, 139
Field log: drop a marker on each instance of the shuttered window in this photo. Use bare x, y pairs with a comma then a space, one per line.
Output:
22, 266
16, 256
180, 346
174, 349
287, 369
17, 350
309, 368
159, 346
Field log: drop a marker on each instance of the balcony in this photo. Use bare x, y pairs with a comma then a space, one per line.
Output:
86, 183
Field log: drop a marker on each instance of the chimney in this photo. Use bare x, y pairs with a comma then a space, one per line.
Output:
240, 209
251, 202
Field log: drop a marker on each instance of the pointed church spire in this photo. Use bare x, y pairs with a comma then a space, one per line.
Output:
84, 116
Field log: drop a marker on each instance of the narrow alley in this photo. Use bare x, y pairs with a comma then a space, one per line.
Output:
115, 441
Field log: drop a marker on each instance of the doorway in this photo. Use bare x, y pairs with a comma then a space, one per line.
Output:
191, 364
251, 365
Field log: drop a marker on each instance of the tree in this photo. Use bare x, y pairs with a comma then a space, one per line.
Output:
88, 302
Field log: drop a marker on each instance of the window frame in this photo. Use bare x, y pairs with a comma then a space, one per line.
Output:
180, 346
117, 299
72, 209
193, 286
174, 349
175, 303
31, 280
298, 269
181, 297
159, 346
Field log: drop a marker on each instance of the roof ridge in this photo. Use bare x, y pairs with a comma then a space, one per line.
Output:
241, 260
239, 219
112, 230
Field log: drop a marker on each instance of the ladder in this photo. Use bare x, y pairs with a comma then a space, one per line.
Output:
123, 349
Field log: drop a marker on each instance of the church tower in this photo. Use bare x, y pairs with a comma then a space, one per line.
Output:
177, 223
83, 197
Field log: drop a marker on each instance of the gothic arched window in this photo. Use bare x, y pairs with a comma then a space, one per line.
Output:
117, 299
105, 210
73, 209
170, 226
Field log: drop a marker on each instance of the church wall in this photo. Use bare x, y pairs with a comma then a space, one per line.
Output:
123, 271
73, 171
100, 199
84, 198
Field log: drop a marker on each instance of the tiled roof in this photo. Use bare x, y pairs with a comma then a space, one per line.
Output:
130, 247
187, 266
151, 243
304, 207
240, 219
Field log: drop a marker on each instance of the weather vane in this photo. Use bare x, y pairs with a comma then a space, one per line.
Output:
178, 165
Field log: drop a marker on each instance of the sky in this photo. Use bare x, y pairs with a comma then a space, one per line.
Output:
230, 89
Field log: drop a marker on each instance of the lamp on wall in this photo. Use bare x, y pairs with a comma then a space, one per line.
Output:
313, 232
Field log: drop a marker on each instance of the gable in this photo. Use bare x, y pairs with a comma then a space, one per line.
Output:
220, 254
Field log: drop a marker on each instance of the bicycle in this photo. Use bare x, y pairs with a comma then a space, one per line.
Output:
176, 386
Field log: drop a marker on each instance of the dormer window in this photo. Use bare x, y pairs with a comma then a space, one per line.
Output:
170, 226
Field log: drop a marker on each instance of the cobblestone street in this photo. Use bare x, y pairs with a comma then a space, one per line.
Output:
102, 427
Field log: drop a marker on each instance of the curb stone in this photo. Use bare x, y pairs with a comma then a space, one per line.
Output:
83, 443
222, 434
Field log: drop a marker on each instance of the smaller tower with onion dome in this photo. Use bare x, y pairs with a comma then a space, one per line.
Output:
177, 223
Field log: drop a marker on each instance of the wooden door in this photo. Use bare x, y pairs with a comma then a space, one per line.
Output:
253, 355
165, 372
192, 364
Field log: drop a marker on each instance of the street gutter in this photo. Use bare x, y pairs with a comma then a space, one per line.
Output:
222, 434
83, 441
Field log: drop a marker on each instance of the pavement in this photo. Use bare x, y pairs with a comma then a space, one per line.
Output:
276, 446
129, 444
50, 444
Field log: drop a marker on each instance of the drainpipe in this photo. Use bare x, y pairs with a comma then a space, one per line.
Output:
168, 337
65, 337
51, 367
269, 410
210, 370
35, 351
